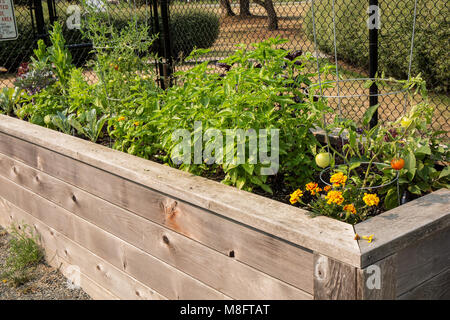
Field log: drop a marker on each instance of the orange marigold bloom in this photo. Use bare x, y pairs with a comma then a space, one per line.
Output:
311, 186
136, 123
327, 188
334, 197
338, 179
295, 196
350, 208
121, 118
371, 199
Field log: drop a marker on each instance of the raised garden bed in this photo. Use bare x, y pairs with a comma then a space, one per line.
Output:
141, 230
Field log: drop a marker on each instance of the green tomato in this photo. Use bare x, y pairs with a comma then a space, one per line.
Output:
323, 159
405, 122
47, 119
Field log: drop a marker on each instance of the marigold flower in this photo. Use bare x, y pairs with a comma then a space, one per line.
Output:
311, 186
371, 199
121, 118
136, 123
334, 197
338, 179
327, 188
295, 196
368, 238
350, 208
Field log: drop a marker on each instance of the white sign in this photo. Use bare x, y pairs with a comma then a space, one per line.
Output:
8, 26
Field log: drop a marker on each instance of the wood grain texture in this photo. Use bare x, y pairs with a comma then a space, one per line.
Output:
403, 226
378, 281
321, 234
212, 268
436, 288
333, 280
423, 260
62, 253
152, 272
273, 256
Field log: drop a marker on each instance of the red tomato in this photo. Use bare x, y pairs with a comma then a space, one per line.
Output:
397, 163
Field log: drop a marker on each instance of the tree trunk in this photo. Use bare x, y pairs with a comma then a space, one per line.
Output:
225, 4
271, 13
244, 8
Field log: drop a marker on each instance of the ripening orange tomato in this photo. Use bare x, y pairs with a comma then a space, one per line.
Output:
397, 163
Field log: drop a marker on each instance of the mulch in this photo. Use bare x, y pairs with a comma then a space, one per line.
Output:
47, 283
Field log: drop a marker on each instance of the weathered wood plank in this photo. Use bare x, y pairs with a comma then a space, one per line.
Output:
273, 256
321, 234
219, 271
423, 260
333, 280
404, 225
436, 288
154, 273
92, 288
61, 252
378, 281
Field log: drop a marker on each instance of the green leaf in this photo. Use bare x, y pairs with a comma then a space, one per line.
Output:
445, 172
369, 114
391, 200
425, 150
240, 182
414, 189
410, 164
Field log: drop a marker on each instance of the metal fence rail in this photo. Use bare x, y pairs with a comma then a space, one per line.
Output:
249, 21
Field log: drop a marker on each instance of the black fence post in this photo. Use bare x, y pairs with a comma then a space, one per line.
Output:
39, 18
373, 60
167, 67
52, 11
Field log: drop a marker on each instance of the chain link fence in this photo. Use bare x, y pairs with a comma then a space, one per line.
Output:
222, 24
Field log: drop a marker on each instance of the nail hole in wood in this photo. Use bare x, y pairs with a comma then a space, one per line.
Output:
74, 198
231, 254
165, 239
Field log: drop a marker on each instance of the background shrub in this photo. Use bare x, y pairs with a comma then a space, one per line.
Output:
193, 29
430, 55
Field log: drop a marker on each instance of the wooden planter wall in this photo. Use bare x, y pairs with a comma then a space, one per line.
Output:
141, 230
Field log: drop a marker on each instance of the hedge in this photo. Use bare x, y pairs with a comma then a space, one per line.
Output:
188, 30
431, 49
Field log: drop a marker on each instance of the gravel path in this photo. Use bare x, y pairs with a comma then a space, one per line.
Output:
47, 282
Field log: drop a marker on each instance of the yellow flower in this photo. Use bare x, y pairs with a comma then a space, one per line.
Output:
327, 188
4, 281
313, 188
338, 179
350, 208
295, 196
121, 118
368, 238
136, 123
334, 197
371, 199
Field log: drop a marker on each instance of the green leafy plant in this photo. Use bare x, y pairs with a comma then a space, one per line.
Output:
261, 89
88, 124
9, 99
23, 255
